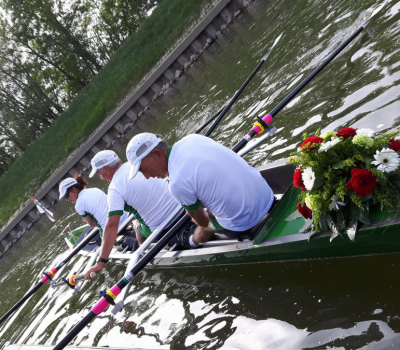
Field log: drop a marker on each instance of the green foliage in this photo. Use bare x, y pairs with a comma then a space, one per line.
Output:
132, 61
46, 60
336, 203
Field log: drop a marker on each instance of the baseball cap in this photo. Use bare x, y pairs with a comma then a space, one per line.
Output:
102, 159
65, 185
139, 147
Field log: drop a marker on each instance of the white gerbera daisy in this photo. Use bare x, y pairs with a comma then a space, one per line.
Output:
365, 131
387, 160
327, 145
335, 203
308, 177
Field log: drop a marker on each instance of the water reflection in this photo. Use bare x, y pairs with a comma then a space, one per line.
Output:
344, 304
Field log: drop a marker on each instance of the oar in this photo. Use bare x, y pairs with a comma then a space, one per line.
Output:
262, 123
48, 213
109, 296
136, 255
48, 276
73, 280
225, 109
235, 97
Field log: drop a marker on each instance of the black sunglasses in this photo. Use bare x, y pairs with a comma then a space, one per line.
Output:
68, 192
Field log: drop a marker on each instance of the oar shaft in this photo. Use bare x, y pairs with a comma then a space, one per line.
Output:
34, 200
79, 247
222, 112
314, 73
225, 109
75, 331
20, 302
209, 121
235, 97
51, 273
300, 87
140, 265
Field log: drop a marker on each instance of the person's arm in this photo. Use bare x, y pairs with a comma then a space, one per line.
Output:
140, 238
109, 237
199, 216
89, 221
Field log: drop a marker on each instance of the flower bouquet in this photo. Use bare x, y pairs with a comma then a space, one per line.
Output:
340, 174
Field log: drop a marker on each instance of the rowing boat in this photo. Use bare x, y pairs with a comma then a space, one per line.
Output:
279, 240
278, 237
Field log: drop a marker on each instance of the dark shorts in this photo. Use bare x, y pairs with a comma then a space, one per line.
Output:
216, 227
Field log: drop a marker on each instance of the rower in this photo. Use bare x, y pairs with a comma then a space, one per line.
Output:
204, 174
149, 201
90, 203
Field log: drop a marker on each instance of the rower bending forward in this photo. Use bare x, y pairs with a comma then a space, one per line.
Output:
90, 203
149, 201
204, 174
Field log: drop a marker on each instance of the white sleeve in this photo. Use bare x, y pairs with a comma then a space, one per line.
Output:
80, 208
116, 202
184, 193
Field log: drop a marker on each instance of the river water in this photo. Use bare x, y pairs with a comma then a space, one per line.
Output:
349, 303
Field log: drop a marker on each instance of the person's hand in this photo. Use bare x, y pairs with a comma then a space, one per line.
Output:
94, 269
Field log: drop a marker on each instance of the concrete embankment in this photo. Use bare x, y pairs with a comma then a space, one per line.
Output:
134, 109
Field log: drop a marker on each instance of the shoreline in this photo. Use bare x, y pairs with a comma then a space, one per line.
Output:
153, 86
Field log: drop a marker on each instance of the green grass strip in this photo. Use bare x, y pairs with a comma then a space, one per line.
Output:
89, 109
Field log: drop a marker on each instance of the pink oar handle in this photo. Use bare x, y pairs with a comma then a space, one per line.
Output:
51, 273
103, 303
258, 128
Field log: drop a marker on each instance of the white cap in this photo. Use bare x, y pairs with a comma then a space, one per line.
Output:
139, 147
102, 159
65, 185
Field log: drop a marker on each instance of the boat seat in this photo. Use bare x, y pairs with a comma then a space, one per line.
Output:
221, 241
93, 244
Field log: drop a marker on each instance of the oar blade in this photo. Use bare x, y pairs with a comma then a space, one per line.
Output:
374, 13
270, 50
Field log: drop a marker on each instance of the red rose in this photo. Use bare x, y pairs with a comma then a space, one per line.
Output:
298, 180
312, 142
362, 182
346, 132
304, 211
394, 145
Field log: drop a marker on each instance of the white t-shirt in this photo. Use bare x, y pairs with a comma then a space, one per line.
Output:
201, 171
149, 200
93, 202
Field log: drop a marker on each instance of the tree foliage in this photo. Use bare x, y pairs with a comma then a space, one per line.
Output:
49, 51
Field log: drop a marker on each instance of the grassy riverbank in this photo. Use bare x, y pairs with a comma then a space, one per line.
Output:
90, 108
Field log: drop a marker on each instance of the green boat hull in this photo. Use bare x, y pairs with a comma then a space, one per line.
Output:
280, 240
73, 237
